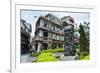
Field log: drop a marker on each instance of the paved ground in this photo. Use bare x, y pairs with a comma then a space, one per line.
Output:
26, 58
66, 58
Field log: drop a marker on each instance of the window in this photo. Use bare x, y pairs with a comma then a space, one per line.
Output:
40, 33
58, 29
45, 34
61, 38
41, 22
53, 36
53, 27
46, 24
57, 37
49, 35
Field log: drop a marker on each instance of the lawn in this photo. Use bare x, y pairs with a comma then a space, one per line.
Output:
85, 57
46, 57
49, 55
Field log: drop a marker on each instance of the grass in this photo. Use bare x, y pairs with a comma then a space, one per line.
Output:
49, 55
85, 58
83, 55
46, 57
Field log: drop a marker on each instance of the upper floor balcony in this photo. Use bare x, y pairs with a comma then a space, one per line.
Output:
51, 30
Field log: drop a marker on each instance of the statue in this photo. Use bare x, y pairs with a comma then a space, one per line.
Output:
69, 46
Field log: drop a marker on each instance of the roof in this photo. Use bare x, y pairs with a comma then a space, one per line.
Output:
49, 21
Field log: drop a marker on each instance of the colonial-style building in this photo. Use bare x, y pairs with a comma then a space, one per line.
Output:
48, 33
25, 36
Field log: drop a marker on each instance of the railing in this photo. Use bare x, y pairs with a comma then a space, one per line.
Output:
50, 30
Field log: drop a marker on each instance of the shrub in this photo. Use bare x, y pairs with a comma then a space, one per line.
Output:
35, 54
78, 53
57, 57
53, 50
85, 53
84, 57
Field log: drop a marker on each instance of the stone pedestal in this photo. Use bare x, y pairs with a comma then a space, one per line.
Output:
69, 58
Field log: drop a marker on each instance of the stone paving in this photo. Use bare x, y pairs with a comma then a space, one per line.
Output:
66, 58
26, 58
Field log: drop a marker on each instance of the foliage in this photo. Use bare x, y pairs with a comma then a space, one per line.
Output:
46, 57
83, 40
84, 57
53, 50
83, 53
35, 54
57, 57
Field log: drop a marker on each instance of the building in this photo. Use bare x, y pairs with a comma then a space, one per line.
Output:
25, 36
70, 20
48, 33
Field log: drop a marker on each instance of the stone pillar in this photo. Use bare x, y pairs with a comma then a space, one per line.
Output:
39, 48
50, 44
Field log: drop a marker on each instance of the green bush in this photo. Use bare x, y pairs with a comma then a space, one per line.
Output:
78, 53
85, 53
53, 50
57, 57
35, 54
84, 57
46, 57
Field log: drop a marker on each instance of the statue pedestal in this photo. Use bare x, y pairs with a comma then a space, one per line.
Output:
70, 58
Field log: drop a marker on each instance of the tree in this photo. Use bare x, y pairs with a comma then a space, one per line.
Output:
87, 30
83, 40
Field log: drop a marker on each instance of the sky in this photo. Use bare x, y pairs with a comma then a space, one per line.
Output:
31, 16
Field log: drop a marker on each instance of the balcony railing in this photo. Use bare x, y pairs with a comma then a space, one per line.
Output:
50, 30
